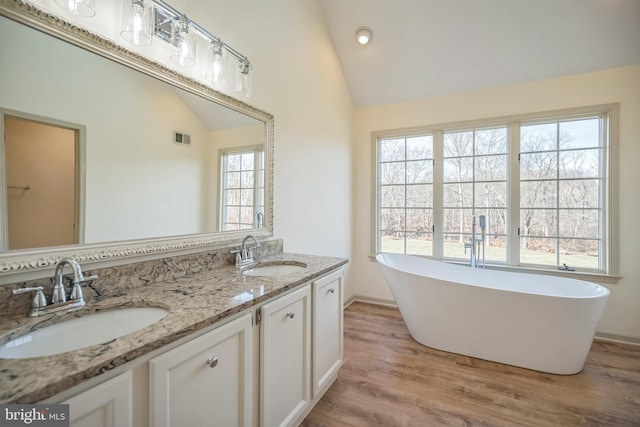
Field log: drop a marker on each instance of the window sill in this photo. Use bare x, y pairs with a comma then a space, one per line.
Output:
580, 275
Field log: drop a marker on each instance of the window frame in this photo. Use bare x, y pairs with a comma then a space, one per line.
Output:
608, 225
258, 182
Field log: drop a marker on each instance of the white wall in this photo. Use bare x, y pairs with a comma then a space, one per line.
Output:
622, 315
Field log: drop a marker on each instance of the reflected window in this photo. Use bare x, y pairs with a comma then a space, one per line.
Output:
242, 185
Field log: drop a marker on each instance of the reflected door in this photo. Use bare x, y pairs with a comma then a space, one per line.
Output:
41, 177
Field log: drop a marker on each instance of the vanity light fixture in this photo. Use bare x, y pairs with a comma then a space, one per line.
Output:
363, 35
216, 73
78, 7
137, 21
183, 42
244, 80
173, 26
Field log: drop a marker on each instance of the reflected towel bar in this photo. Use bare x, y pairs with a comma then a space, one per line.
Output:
26, 187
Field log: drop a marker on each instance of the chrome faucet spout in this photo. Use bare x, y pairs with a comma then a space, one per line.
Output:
244, 255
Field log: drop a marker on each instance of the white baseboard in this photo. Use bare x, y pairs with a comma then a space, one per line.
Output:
376, 301
618, 338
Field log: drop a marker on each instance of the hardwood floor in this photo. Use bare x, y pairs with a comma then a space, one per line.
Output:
388, 379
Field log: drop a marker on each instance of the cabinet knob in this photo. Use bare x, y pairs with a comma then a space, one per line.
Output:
331, 290
291, 315
212, 362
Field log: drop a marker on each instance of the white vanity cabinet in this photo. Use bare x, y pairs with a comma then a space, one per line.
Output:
285, 358
106, 405
327, 329
206, 381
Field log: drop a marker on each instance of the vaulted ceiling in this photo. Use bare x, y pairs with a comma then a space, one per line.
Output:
426, 48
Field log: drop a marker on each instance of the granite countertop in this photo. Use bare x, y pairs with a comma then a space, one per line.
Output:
194, 302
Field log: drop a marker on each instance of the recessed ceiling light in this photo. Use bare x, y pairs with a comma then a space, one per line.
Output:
363, 35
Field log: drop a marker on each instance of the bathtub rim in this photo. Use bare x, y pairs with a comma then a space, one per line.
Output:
604, 292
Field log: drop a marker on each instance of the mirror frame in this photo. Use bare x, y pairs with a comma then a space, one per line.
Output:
112, 253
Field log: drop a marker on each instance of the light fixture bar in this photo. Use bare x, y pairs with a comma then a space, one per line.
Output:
176, 14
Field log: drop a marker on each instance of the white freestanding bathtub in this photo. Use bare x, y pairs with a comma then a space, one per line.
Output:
545, 323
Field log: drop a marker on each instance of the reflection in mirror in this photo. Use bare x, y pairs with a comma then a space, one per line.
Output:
153, 160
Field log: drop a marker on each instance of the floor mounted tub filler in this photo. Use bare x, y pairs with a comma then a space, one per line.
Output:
544, 323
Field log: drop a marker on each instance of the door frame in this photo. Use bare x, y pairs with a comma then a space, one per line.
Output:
80, 172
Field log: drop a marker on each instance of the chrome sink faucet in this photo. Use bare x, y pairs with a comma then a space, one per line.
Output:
244, 255
59, 300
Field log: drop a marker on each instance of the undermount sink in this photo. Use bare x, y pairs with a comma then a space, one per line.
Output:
80, 332
275, 268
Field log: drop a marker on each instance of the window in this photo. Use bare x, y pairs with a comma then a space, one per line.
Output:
406, 194
541, 181
475, 182
242, 184
561, 187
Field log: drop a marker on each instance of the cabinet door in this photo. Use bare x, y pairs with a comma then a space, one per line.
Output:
105, 405
327, 329
206, 381
285, 358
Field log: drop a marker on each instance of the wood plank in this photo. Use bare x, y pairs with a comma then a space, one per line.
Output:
388, 379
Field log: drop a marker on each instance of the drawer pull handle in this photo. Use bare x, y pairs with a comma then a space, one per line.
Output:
212, 362
331, 290
291, 315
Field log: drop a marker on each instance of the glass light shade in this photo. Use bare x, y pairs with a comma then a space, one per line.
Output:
183, 43
78, 7
137, 21
216, 73
244, 80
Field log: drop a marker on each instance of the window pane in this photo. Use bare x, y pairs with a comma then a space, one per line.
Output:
392, 242
420, 196
579, 223
496, 221
538, 166
392, 219
491, 194
458, 195
454, 246
580, 133
392, 196
457, 221
420, 220
247, 160
538, 222
458, 169
491, 168
420, 244
232, 197
580, 164
392, 173
538, 194
538, 251
420, 147
246, 215
232, 214
233, 180
233, 162
579, 253
247, 198
491, 141
579, 194
392, 150
419, 172
540, 137
458, 144
246, 179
